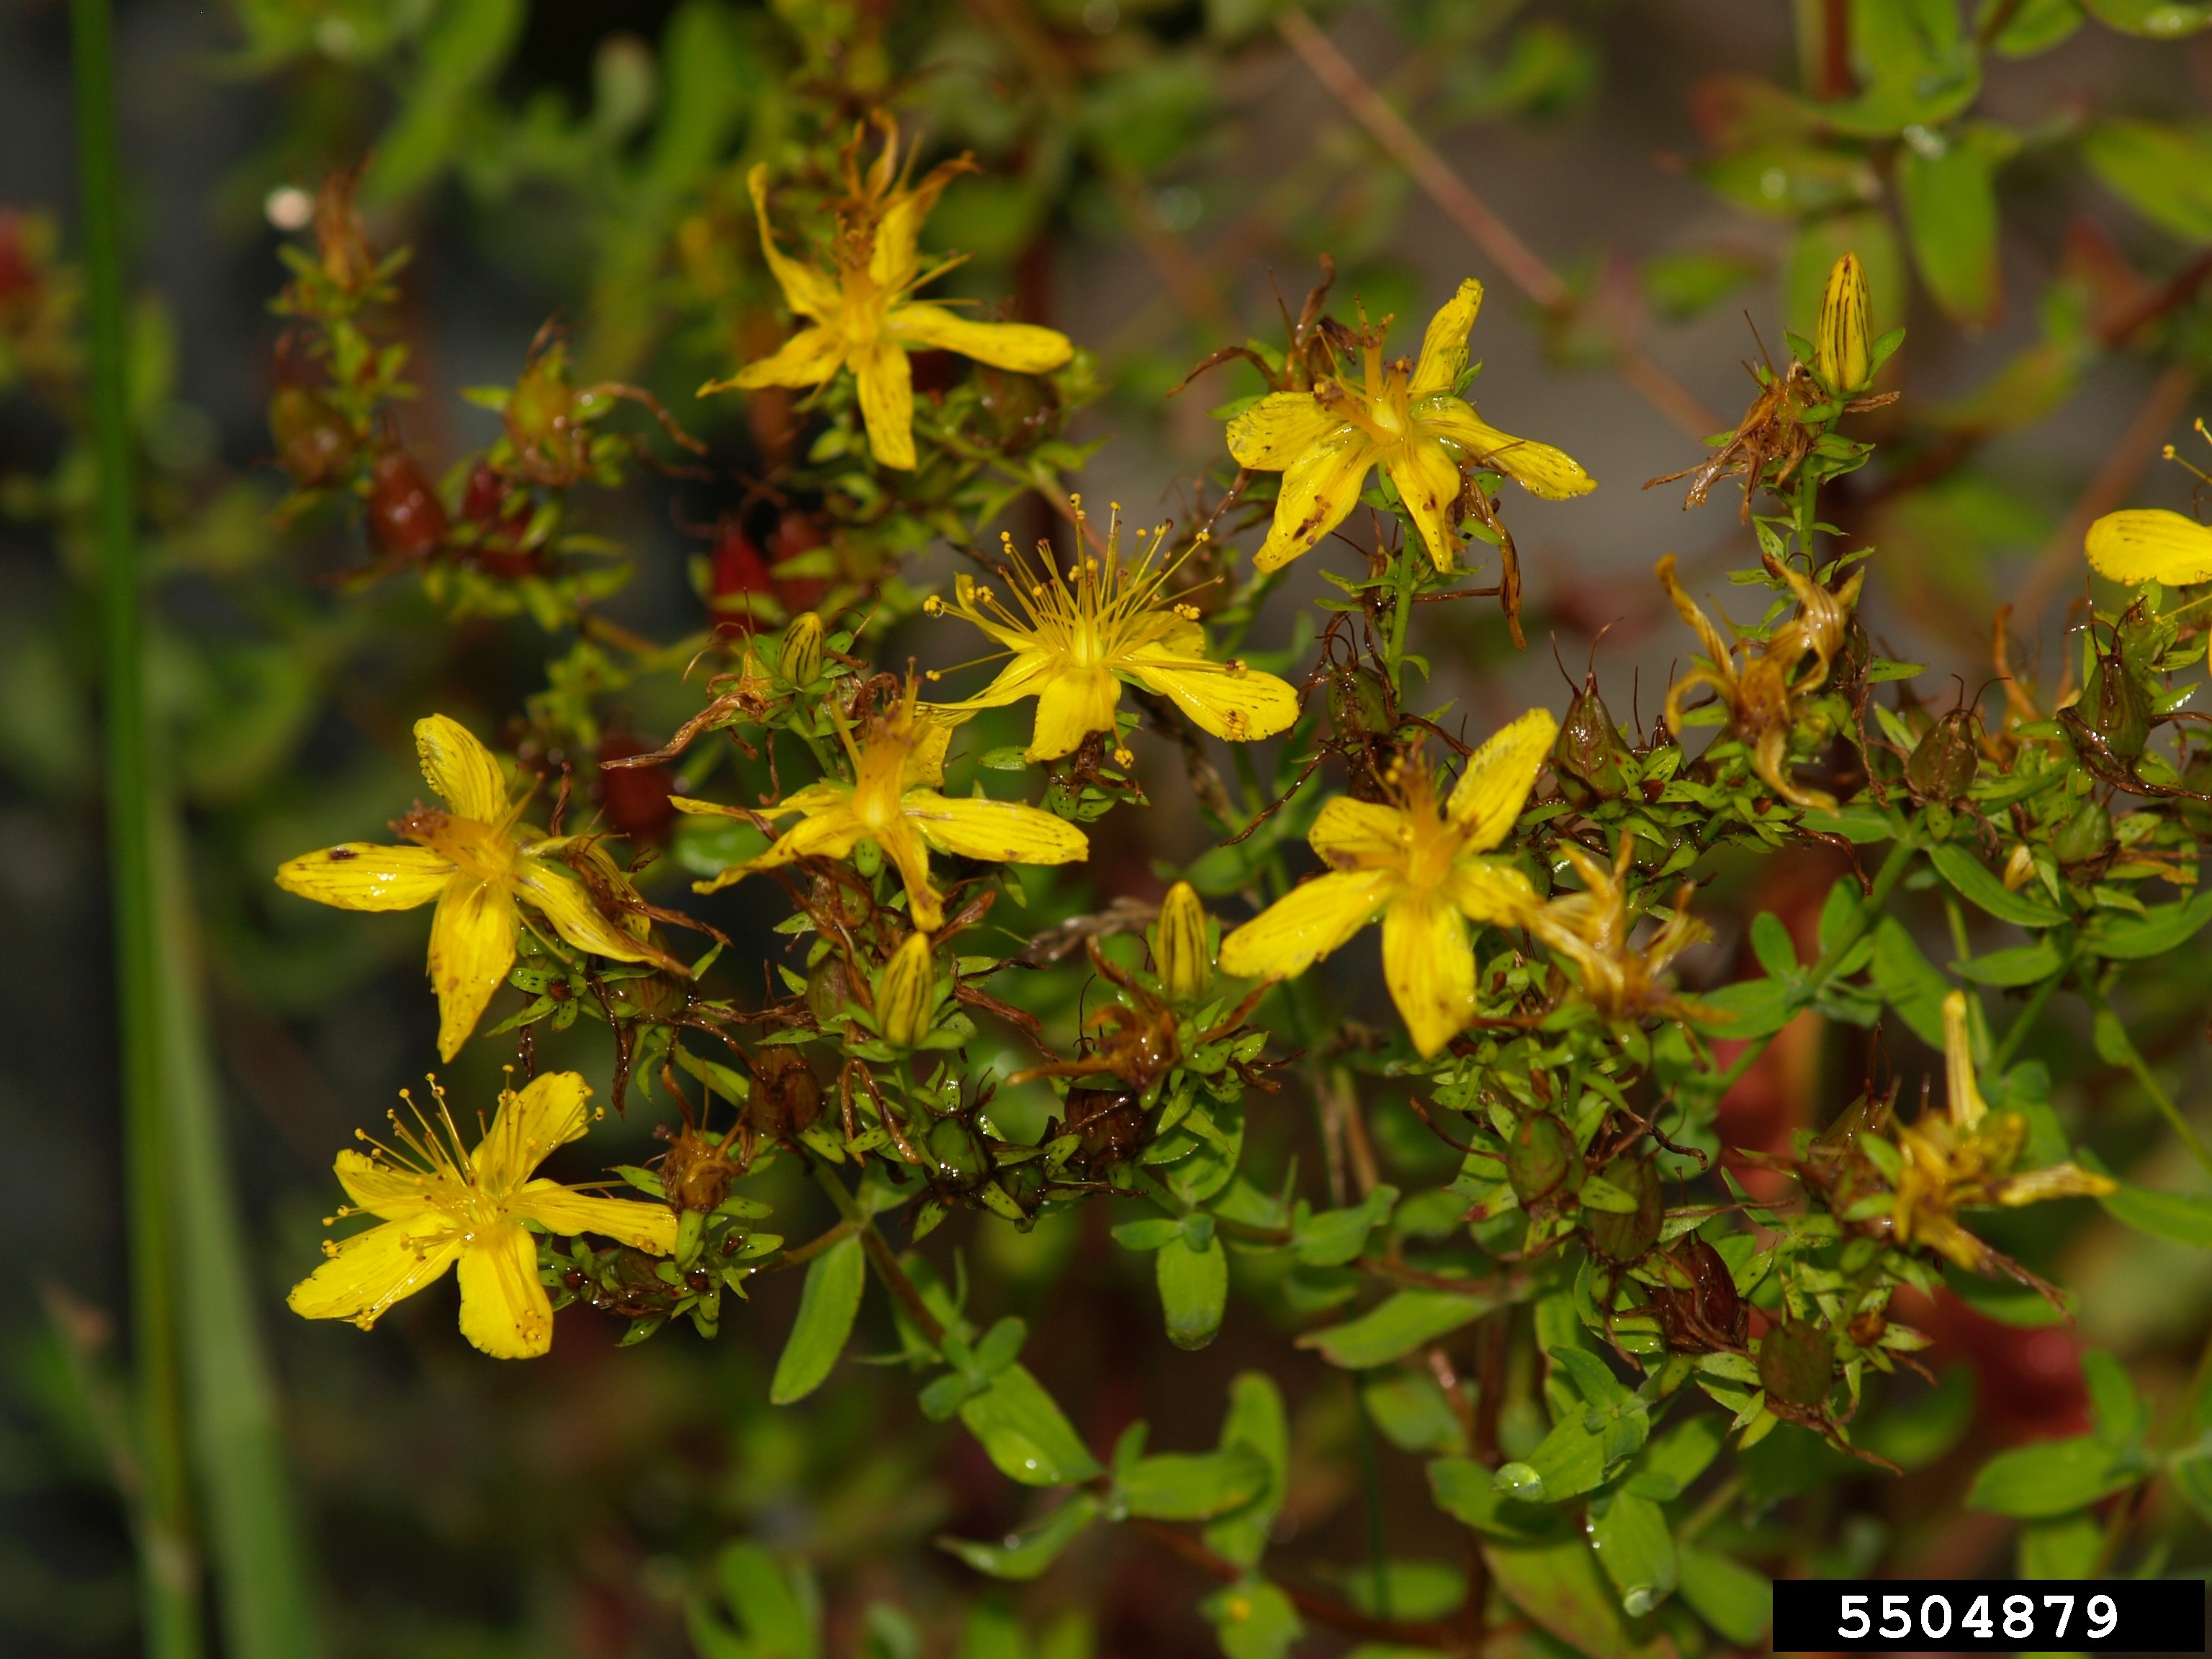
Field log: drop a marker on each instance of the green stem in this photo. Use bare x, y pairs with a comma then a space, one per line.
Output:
2139, 1068
168, 1569
880, 1256
2002, 1055
1869, 911
1402, 614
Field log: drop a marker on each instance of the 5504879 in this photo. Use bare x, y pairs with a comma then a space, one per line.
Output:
1993, 1616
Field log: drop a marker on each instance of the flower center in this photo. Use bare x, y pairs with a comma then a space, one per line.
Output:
473, 848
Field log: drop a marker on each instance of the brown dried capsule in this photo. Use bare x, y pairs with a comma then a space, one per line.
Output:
787, 1097
406, 520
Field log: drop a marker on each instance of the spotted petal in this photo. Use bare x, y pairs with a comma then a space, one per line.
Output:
1279, 428
504, 1309
1355, 835
1072, 704
1429, 965
560, 1209
2150, 544
1538, 468
365, 876
1319, 489
370, 1271
1023, 348
1427, 481
1000, 831
1240, 706
1306, 924
461, 770
1491, 793
1444, 348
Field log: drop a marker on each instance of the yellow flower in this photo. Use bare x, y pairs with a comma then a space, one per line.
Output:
1591, 929
893, 801
1964, 1160
1422, 870
906, 995
477, 861
1402, 417
441, 1205
1182, 956
858, 315
1842, 354
1074, 642
2150, 544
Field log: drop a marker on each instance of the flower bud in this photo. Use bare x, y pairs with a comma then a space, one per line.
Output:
1796, 1364
2116, 707
1538, 1157
1842, 355
958, 1151
1180, 955
1625, 1236
1944, 762
906, 995
799, 661
827, 990
313, 442
406, 520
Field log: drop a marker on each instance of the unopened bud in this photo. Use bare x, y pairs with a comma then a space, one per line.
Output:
406, 520
906, 993
2083, 836
2118, 706
1538, 1157
1796, 1364
1842, 354
1587, 756
799, 662
313, 442
1180, 955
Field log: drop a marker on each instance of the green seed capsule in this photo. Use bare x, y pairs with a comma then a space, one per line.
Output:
958, 1151
1945, 760
1586, 758
1796, 1364
1538, 1156
2083, 836
1626, 1235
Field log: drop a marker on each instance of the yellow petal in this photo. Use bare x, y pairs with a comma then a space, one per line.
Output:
807, 291
1279, 428
1967, 1107
1491, 793
504, 1309
1024, 677
461, 770
369, 1272
550, 1111
1487, 891
925, 761
886, 402
830, 832
471, 948
1319, 489
562, 900
1306, 924
1358, 833
1430, 968
1444, 348
807, 358
390, 1194
2150, 544
1001, 831
1022, 346
1218, 699
2059, 1181
1072, 704
364, 876
903, 846
561, 1209
1428, 482
1538, 468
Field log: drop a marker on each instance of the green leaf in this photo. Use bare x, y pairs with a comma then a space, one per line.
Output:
1772, 944
1665, 1468
2128, 939
1025, 1554
2179, 1218
1973, 882
2025, 965
1253, 1619
1749, 1008
1399, 1325
993, 1631
2063, 1546
1194, 1486
1635, 1550
1908, 981
1948, 190
1729, 1596
1194, 1290
2120, 1413
2164, 173
1402, 1589
776, 1608
1333, 1237
1918, 1432
1468, 1492
1147, 1234
1025, 1433
826, 1308
1560, 1589
1411, 1409
1256, 1423
2034, 26
2160, 20
2051, 1478
1857, 825
1915, 63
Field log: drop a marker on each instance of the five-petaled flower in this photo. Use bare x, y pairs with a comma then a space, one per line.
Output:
858, 315
1423, 870
440, 1204
480, 863
898, 761
1075, 640
1405, 417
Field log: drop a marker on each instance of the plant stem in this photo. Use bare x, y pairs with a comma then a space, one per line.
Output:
2001, 1056
168, 1571
2139, 1068
1401, 614
878, 1251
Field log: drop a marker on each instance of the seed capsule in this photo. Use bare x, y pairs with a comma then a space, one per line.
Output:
406, 520
1945, 760
1625, 1236
1842, 350
906, 993
2084, 835
785, 1097
827, 990
1179, 952
958, 1152
1796, 1363
1538, 1157
1587, 756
